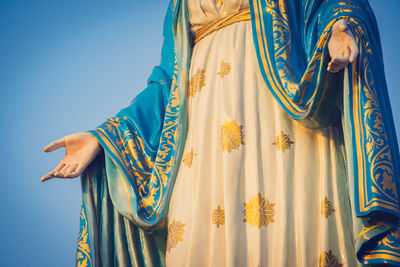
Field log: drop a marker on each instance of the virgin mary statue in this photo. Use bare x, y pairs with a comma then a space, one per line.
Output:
264, 138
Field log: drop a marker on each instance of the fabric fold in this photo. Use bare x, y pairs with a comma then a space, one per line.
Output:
143, 143
107, 237
306, 91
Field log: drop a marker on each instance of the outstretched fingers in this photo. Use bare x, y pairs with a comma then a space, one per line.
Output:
46, 177
81, 167
75, 171
63, 171
60, 172
71, 175
69, 170
53, 173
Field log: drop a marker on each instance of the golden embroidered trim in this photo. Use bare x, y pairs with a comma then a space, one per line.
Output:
259, 211
83, 254
389, 242
220, 23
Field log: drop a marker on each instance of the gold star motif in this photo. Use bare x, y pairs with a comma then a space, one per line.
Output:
326, 207
218, 216
175, 233
283, 142
197, 81
259, 211
225, 69
327, 259
188, 159
231, 135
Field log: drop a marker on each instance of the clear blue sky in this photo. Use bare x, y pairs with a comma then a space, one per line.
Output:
65, 66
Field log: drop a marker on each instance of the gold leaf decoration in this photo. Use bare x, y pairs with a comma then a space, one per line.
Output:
219, 2
231, 135
327, 259
188, 159
218, 216
283, 142
175, 233
197, 81
83, 254
387, 182
83, 263
225, 69
259, 211
326, 207
389, 239
396, 233
174, 4
149, 200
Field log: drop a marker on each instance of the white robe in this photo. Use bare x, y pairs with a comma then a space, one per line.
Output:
255, 188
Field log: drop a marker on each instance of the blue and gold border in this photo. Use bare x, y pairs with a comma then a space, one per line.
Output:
84, 250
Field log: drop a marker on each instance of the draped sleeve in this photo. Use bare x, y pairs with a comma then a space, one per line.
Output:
127, 188
141, 140
293, 58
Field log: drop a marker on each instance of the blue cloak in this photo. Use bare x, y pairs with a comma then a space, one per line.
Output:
126, 190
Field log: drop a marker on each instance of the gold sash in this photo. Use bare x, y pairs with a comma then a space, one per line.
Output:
215, 25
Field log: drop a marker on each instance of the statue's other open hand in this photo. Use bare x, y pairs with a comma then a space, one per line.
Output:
342, 47
80, 151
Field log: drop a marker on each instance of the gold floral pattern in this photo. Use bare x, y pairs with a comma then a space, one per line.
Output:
259, 211
390, 239
175, 233
283, 142
225, 68
174, 4
327, 259
388, 183
188, 159
326, 207
231, 135
396, 233
197, 81
83, 258
218, 216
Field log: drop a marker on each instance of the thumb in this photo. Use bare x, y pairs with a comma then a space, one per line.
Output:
343, 27
340, 26
55, 145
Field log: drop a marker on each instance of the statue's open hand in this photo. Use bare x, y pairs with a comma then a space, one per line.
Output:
80, 150
342, 47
